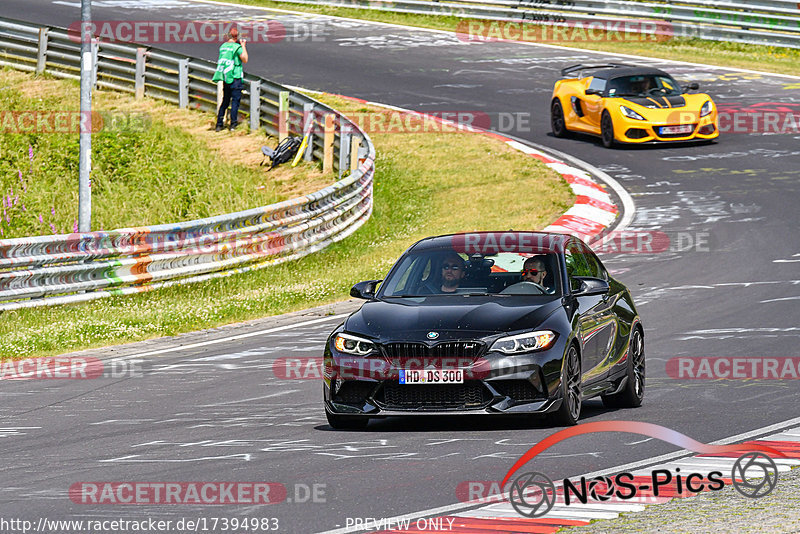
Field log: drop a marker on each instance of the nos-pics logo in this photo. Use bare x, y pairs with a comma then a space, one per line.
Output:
533, 494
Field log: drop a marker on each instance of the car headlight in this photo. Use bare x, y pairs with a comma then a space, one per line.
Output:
628, 112
350, 344
707, 108
539, 340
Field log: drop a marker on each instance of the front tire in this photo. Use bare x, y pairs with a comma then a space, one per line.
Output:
346, 422
571, 396
557, 122
633, 393
607, 130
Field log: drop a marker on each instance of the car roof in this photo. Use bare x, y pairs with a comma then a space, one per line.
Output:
610, 74
544, 241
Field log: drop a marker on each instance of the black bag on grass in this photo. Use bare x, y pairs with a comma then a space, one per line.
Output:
285, 151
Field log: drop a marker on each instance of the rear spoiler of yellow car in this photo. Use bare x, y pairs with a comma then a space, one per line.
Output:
565, 72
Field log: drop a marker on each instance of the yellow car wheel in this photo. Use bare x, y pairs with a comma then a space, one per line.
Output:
607, 130
557, 122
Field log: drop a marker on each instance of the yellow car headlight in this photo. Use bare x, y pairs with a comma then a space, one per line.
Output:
628, 112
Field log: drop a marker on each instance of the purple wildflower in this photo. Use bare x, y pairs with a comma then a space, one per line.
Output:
40, 219
16, 200
20, 176
53, 227
23, 207
75, 226
53, 210
30, 153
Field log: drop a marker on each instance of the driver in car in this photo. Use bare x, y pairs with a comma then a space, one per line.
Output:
643, 86
452, 272
533, 270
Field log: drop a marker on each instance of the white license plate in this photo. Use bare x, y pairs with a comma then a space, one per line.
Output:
432, 376
683, 129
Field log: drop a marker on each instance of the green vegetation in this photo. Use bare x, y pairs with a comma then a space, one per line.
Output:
465, 184
736, 55
152, 163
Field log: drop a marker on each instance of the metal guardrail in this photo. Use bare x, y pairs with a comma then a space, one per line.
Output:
57, 269
764, 22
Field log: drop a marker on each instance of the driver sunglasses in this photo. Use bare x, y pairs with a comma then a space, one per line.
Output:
450, 267
532, 272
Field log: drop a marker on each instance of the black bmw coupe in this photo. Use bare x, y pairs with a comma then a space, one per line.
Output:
486, 323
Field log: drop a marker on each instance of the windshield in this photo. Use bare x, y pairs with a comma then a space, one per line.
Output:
643, 85
447, 272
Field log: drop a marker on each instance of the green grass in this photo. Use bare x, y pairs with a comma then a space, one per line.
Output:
464, 184
756, 57
159, 166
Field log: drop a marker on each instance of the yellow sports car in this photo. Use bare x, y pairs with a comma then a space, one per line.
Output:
630, 104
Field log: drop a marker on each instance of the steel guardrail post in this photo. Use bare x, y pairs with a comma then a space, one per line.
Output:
355, 143
41, 54
183, 83
327, 142
255, 105
344, 151
139, 76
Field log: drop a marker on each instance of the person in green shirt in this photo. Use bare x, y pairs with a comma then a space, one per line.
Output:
232, 55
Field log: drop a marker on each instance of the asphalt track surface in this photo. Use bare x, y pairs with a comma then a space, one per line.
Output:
218, 412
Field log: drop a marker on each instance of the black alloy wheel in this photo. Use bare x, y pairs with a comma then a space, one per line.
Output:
557, 122
570, 410
632, 394
607, 130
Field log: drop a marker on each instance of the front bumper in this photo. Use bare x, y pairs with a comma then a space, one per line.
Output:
632, 131
493, 384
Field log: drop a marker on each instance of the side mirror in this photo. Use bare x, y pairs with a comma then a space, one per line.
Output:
694, 86
365, 290
591, 286
590, 92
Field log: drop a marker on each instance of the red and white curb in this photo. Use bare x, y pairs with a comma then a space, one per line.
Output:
500, 517
594, 209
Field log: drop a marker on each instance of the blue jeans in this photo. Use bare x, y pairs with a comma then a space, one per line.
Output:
231, 94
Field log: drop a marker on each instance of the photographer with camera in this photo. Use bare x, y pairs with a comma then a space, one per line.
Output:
232, 55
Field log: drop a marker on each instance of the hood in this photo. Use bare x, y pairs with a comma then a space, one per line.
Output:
658, 101
451, 317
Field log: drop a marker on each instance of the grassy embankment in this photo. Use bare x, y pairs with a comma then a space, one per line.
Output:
425, 184
151, 163
745, 56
